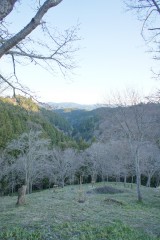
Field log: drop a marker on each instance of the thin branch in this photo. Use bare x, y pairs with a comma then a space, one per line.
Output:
10, 84
153, 29
15, 88
33, 56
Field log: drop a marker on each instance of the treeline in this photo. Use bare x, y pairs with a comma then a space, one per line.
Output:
31, 160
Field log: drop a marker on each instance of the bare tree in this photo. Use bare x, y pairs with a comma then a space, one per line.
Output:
62, 165
93, 154
32, 152
132, 118
121, 159
82, 166
150, 160
24, 47
8, 174
105, 161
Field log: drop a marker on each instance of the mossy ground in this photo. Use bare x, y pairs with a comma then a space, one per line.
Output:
60, 215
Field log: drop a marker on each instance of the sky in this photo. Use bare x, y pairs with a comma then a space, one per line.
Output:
112, 56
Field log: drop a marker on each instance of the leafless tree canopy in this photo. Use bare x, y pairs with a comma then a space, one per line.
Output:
25, 47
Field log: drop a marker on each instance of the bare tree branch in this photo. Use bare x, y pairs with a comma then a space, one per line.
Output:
52, 51
6, 6
35, 21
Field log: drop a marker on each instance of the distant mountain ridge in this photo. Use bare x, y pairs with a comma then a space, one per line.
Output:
64, 105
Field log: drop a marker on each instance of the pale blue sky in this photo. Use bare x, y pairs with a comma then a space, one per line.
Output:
112, 55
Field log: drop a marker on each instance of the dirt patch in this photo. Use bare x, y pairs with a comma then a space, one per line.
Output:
113, 201
105, 189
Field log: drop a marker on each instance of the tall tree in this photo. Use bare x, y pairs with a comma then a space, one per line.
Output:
94, 153
132, 118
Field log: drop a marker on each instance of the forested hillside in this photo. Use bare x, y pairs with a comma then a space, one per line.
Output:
83, 123
18, 115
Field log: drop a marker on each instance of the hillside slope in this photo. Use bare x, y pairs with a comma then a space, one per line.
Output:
59, 215
83, 123
17, 116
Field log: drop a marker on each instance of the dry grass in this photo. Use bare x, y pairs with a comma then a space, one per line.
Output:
51, 212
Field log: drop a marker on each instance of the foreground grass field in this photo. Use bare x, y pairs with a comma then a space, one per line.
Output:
60, 215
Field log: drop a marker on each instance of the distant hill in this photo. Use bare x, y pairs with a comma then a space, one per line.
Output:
68, 105
82, 122
20, 114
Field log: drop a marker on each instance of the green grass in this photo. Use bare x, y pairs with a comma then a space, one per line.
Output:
59, 215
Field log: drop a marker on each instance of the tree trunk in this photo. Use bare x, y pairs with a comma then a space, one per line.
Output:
27, 180
138, 189
12, 189
107, 177
93, 181
132, 180
103, 179
27, 184
21, 195
148, 184
157, 181
138, 176
125, 180
138, 180
117, 179
62, 183
30, 187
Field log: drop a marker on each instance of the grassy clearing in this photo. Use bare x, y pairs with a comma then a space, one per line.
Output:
59, 215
